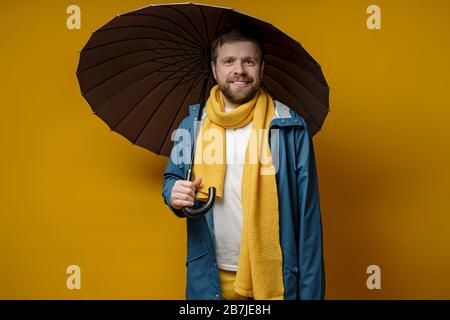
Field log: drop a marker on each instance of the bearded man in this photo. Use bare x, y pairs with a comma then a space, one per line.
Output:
263, 237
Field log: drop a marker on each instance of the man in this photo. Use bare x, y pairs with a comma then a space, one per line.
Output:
263, 237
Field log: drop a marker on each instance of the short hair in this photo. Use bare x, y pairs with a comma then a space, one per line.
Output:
237, 32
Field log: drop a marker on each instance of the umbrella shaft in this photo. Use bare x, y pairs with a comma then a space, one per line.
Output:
196, 127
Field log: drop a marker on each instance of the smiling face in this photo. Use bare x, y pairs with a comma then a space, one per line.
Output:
238, 71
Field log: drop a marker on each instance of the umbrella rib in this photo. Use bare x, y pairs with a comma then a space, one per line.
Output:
178, 45
202, 42
294, 51
290, 76
196, 73
154, 112
129, 111
219, 22
171, 37
175, 48
131, 39
136, 51
275, 30
144, 26
166, 47
206, 26
168, 20
303, 107
314, 76
127, 69
176, 114
103, 105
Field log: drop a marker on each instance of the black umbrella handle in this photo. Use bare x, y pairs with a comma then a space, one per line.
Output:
198, 212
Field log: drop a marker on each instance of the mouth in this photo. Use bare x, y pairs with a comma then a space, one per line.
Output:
241, 84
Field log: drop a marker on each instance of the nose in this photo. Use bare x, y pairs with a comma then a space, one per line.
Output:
239, 68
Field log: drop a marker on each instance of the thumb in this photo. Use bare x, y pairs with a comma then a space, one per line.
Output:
197, 182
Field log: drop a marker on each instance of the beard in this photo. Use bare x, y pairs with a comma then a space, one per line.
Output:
238, 96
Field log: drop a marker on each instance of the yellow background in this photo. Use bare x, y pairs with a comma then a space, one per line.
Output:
74, 193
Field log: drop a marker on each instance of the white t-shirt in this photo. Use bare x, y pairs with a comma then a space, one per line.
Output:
227, 212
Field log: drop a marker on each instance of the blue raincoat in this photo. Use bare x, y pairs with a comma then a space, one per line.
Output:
299, 213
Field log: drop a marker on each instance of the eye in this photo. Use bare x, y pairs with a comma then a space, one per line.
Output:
227, 62
250, 62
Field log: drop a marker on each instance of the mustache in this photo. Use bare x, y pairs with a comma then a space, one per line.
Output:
241, 79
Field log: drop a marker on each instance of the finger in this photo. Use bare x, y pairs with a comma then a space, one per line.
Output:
185, 183
182, 196
185, 190
189, 185
182, 203
197, 182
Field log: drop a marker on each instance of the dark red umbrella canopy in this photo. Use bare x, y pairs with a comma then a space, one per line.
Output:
142, 70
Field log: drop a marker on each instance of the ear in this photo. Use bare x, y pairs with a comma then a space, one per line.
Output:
213, 68
263, 64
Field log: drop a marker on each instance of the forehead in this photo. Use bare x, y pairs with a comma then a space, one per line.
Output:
238, 49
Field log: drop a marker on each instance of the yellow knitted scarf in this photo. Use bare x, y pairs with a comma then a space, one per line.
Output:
259, 272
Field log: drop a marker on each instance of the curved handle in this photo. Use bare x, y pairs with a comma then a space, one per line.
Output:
196, 213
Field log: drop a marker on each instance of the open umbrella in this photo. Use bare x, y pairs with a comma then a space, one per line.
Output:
141, 71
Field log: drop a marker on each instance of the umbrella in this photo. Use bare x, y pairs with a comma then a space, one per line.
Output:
141, 71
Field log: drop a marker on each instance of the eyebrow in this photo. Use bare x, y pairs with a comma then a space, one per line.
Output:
231, 57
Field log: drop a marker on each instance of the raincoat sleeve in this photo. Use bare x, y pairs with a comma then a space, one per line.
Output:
311, 263
174, 171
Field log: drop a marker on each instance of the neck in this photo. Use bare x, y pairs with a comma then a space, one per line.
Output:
229, 104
